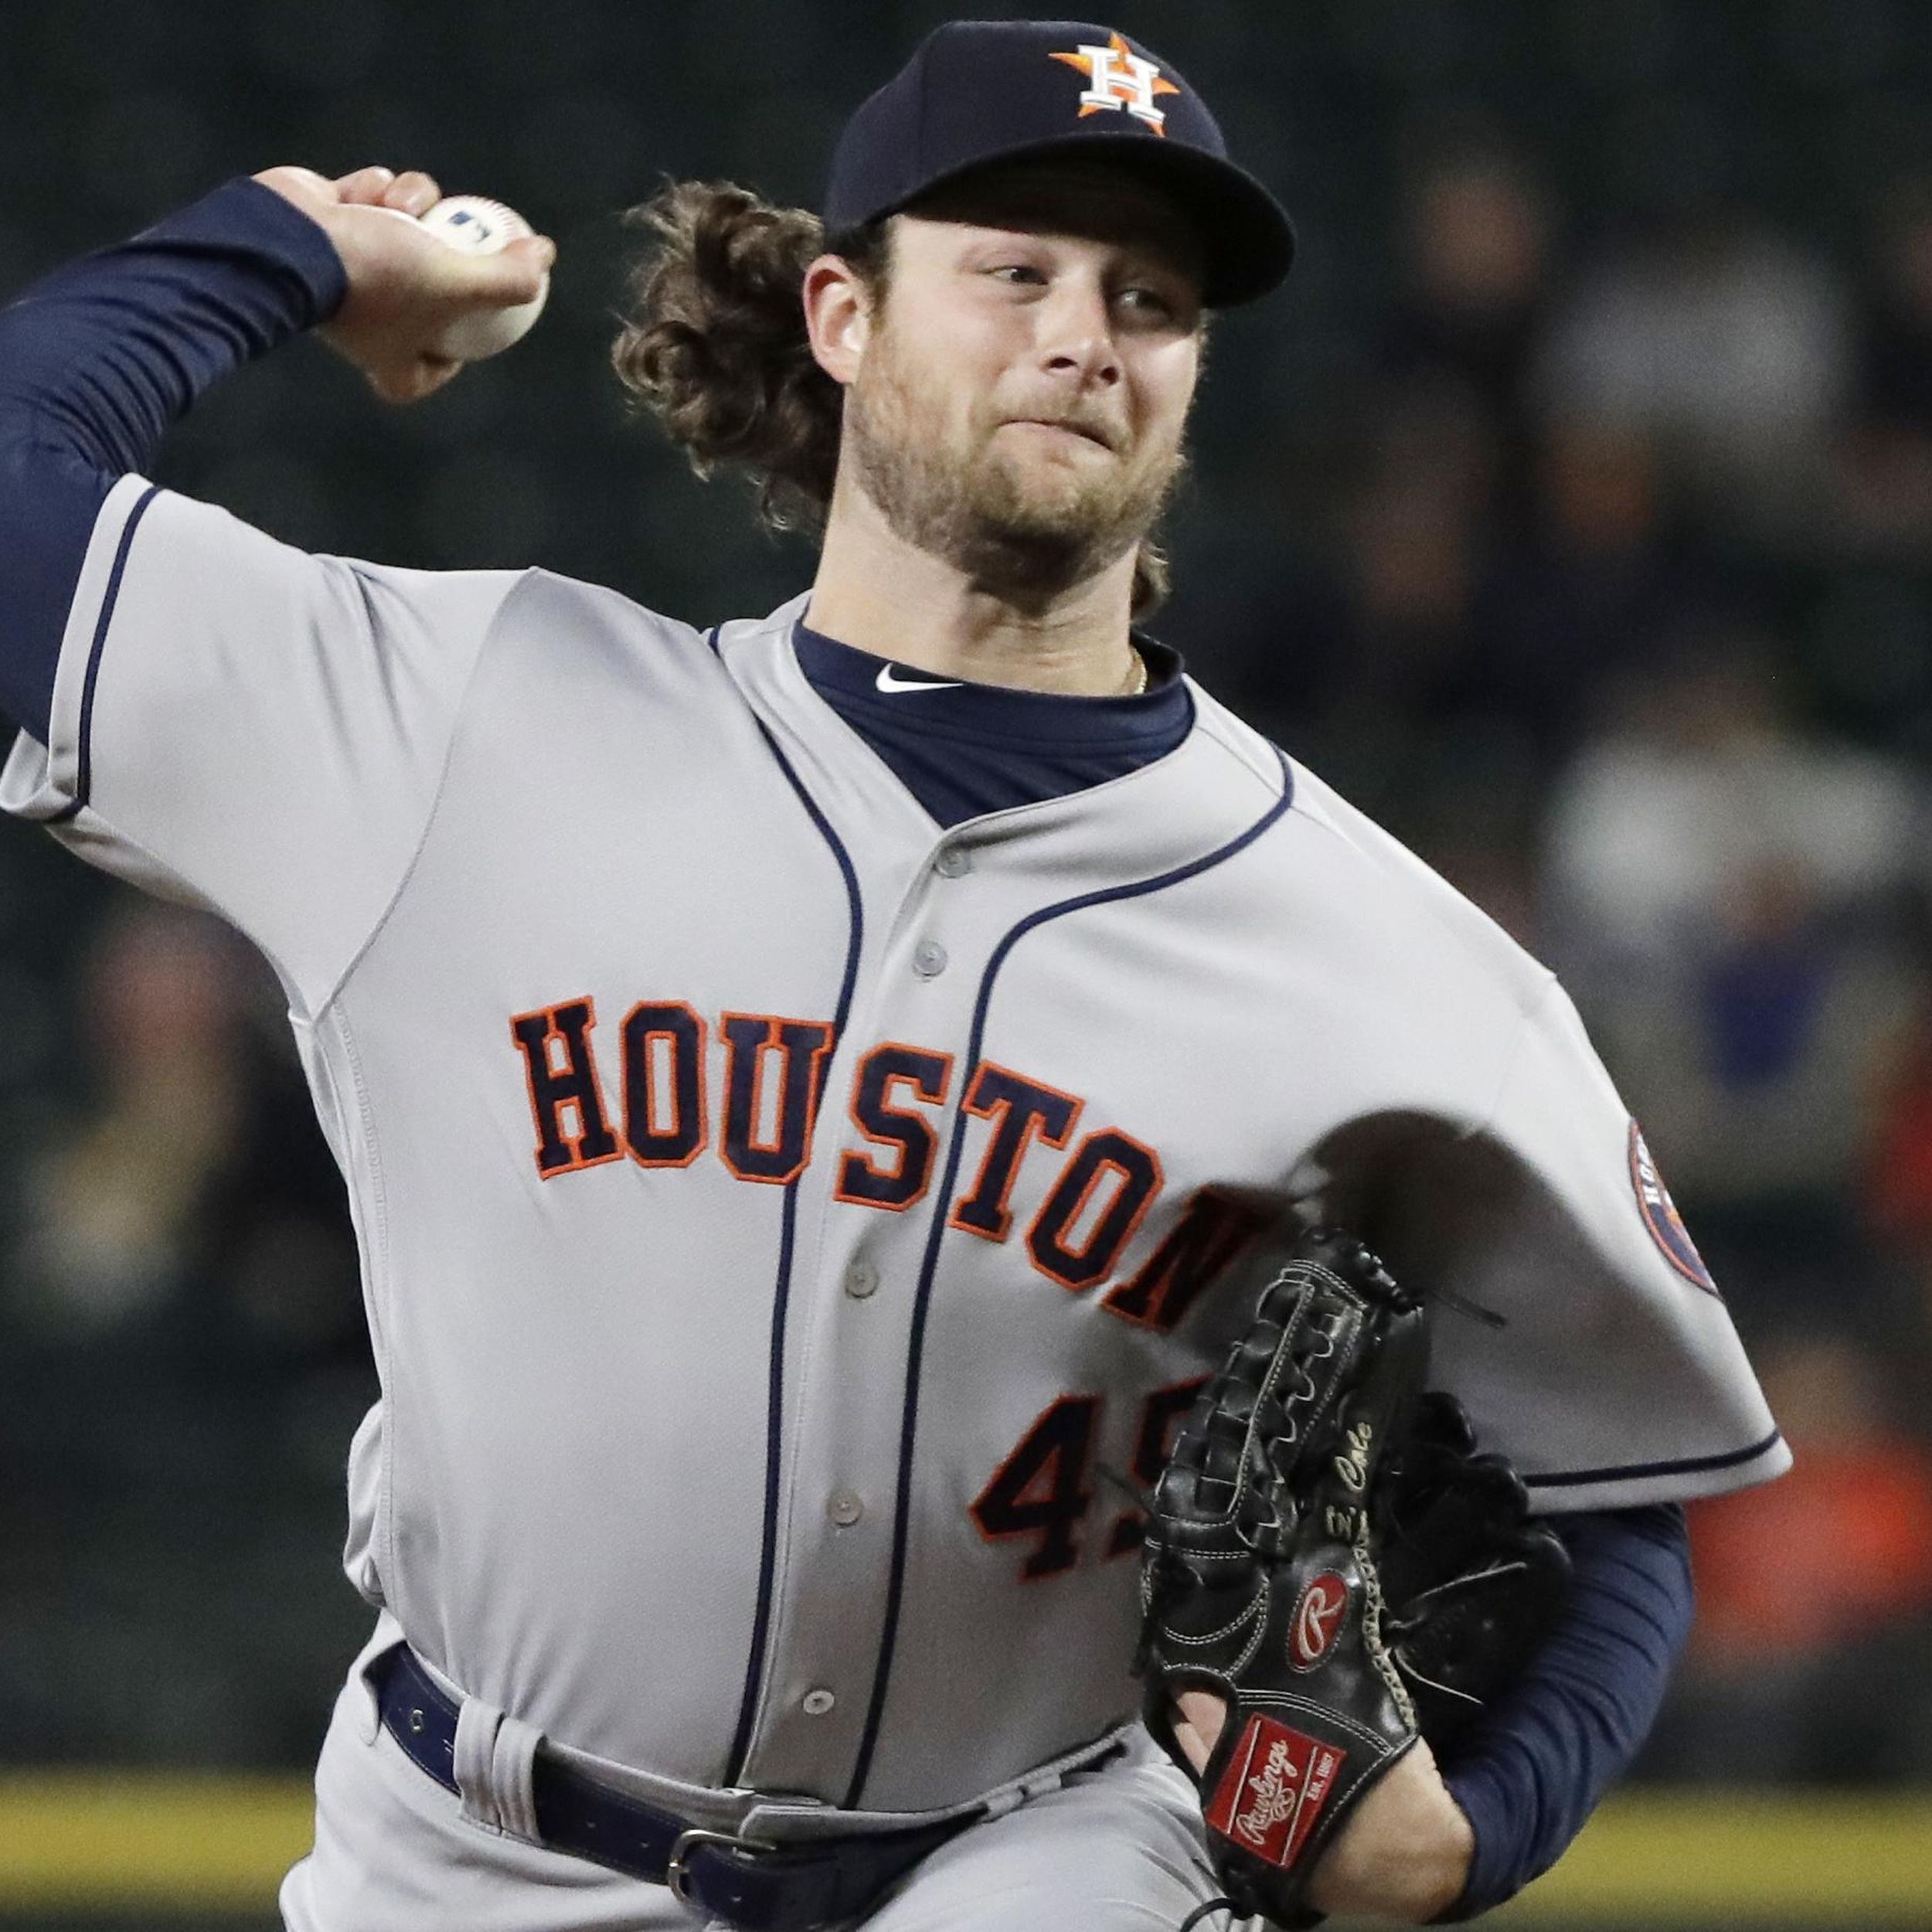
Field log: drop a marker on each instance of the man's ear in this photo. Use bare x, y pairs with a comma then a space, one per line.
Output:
838, 316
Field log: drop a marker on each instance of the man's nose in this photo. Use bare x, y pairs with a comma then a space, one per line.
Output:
1076, 334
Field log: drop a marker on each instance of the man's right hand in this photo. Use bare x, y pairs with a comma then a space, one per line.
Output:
405, 286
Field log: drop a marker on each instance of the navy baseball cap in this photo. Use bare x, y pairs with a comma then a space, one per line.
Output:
981, 91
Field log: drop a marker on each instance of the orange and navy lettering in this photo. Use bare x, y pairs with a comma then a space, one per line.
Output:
674, 1134
752, 1041
543, 1037
1070, 1241
1019, 1109
773, 1069
1212, 1231
928, 1076
1041, 1490
1160, 1422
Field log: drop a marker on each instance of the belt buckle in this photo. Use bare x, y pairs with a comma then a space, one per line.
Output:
690, 1841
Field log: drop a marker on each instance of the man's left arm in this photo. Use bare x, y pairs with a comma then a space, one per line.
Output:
1431, 1843
1538, 1763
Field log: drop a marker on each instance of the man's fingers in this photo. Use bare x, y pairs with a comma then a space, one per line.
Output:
508, 279
511, 278
1200, 1717
412, 192
364, 186
538, 250
411, 320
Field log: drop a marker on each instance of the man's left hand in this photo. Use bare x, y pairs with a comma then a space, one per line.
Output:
1404, 1853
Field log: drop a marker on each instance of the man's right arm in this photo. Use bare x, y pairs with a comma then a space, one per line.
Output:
97, 361
100, 358
201, 703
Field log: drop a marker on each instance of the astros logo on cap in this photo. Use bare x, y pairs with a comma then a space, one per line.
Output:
1120, 78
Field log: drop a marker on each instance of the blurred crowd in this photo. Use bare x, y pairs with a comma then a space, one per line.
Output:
1619, 607
1591, 553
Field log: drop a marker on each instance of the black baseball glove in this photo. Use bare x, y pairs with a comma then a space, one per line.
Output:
1327, 1552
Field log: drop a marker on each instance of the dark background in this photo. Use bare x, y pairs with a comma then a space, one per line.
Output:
1571, 510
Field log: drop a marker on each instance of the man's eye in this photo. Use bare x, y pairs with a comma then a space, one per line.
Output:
1019, 272
1147, 301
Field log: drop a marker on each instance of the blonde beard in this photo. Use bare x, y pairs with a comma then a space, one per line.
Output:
1002, 529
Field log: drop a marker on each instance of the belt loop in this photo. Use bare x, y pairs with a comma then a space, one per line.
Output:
494, 1758
365, 1709
476, 1723
512, 1766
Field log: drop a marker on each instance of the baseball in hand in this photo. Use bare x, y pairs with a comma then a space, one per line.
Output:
479, 227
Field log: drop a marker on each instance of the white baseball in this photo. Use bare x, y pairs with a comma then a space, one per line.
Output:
478, 226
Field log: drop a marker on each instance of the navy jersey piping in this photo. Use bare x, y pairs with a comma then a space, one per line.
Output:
84, 764
781, 1291
1683, 1466
895, 1592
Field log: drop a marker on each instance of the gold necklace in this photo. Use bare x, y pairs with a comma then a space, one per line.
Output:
1137, 679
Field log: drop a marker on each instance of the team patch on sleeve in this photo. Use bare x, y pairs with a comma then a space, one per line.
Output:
1660, 1214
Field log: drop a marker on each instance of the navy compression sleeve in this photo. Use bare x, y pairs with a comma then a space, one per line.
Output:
98, 359
1537, 1764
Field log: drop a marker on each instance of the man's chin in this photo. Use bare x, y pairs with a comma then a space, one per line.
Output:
1049, 501
1048, 529
1040, 549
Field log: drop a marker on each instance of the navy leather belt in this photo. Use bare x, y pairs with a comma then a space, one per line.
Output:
762, 1887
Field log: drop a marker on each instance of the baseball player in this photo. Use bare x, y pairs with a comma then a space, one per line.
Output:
807, 1087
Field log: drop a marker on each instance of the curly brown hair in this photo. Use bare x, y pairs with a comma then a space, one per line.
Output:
716, 347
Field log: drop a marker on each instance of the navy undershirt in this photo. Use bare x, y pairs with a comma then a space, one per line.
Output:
98, 359
963, 749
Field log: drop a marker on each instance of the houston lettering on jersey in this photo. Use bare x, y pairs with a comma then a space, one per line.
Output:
660, 1113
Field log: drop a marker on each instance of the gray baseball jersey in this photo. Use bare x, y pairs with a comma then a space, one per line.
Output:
780, 1217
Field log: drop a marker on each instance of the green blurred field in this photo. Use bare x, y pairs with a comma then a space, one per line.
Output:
128, 1852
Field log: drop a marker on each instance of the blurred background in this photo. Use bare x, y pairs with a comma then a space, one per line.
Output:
1571, 511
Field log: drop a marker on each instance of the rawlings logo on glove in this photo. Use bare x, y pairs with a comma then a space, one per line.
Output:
1318, 1622
1272, 1791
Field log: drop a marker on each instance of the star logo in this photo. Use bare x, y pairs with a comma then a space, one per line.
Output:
1119, 79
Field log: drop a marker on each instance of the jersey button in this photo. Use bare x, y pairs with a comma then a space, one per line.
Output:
844, 1509
929, 959
861, 1279
954, 862
817, 1702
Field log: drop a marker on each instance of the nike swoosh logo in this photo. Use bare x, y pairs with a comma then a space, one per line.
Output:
887, 682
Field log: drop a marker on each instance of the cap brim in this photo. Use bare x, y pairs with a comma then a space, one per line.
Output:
1247, 240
